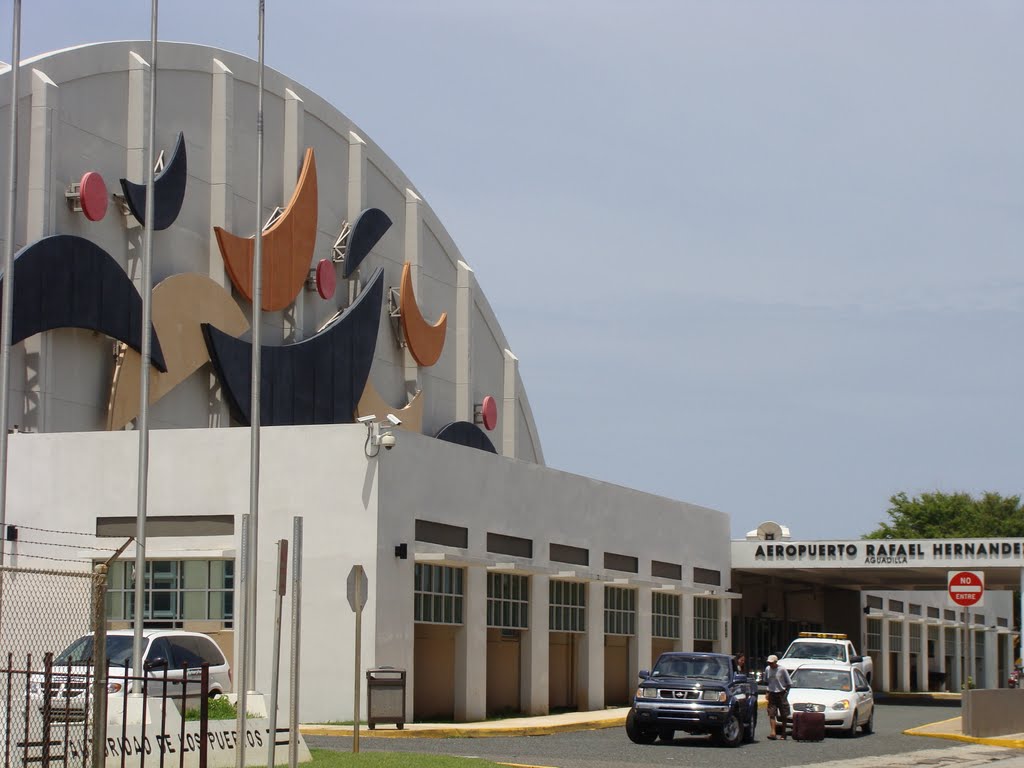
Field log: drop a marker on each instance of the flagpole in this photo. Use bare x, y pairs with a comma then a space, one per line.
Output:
247, 644
146, 351
8, 266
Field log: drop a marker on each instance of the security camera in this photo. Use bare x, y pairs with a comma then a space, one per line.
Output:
366, 419
388, 441
394, 419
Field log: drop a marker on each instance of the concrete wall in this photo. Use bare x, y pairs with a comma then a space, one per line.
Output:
993, 712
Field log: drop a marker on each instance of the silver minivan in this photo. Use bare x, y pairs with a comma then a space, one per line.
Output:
167, 653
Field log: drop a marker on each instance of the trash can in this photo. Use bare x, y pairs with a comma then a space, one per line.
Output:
385, 696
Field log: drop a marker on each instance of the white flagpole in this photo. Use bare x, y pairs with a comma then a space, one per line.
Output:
247, 679
146, 352
8, 290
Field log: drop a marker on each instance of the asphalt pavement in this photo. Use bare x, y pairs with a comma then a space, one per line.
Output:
608, 747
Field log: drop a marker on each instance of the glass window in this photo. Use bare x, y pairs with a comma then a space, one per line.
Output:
567, 610
437, 594
665, 615
915, 638
619, 611
874, 634
175, 591
895, 636
507, 600
705, 618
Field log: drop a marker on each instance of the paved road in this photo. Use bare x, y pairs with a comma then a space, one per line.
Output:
610, 747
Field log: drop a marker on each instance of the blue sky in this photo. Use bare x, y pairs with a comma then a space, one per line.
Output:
760, 256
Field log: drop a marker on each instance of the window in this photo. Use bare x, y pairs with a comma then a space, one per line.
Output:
705, 618
567, 601
915, 638
951, 634
507, 601
896, 605
873, 601
874, 641
437, 594
665, 610
619, 611
915, 609
175, 591
895, 636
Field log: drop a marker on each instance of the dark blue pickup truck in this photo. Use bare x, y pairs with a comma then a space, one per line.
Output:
696, 693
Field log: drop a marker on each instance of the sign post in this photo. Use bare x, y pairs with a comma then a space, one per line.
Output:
966, 590
357, 590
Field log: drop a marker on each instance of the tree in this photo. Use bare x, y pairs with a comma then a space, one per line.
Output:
951, 516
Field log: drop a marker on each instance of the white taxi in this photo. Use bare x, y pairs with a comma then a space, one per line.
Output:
840, 691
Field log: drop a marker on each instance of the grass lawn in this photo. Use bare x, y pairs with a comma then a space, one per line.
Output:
325, 758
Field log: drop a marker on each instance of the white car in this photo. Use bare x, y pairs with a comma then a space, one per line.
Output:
838, 690
164, 650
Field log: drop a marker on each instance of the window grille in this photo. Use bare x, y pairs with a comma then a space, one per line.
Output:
619, 611
874, 634
438, 594
175, 591
705, 618
895, 636
567, 606
915, 638
508, 601
665, 615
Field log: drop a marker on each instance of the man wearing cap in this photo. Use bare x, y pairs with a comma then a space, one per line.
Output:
779, 684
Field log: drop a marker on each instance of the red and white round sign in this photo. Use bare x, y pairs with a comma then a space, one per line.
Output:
966, 588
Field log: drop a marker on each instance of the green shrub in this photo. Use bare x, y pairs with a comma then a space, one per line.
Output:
220, 708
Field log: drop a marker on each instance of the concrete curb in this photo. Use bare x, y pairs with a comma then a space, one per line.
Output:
989, 741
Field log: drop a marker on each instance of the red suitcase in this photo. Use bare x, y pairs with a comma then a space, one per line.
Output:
808, 726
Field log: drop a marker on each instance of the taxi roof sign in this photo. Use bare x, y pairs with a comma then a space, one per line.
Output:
825, 635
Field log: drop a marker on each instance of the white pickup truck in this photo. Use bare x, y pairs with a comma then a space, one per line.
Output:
825, 646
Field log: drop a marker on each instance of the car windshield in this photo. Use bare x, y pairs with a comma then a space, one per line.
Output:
119, 651
823, 651
707, 667
825, 679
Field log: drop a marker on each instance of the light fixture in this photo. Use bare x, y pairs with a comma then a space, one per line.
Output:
402, 551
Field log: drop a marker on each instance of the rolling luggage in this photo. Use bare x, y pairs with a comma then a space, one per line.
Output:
808, 726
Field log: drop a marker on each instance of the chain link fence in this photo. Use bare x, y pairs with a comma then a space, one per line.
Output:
47, 709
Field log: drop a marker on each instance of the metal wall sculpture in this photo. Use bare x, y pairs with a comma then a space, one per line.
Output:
168, 190
467, 434
66, 281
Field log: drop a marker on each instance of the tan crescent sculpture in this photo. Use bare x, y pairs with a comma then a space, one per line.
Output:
287, 246
181, 303
371, 403
425, 341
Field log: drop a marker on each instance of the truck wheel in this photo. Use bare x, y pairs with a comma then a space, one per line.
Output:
749, 728
636, 734
730, 734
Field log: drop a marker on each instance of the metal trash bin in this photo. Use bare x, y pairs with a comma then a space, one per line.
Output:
385, 696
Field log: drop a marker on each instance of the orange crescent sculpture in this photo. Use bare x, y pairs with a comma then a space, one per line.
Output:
371, 403
287, 246
181, 303
425, 341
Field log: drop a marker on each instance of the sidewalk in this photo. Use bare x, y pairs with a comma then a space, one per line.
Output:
952, 729
513, 726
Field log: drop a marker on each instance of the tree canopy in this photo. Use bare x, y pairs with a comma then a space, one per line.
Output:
951, 516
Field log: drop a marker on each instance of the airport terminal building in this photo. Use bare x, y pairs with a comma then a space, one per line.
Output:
500, 584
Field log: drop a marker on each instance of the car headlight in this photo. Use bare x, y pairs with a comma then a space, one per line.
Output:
842, 704
647, 693
713, 696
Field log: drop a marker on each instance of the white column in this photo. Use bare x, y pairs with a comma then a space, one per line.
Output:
356, 175
940, 649
724, 644
40, 218
413, 254
471, 651
905, 655
884, 673
534, 647
590, 696
508, 410
991, 658
640, 643
686, 623
955, 675
922, 659
293, 318
463, 343
221, 193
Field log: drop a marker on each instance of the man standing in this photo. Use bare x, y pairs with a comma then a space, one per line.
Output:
779, 684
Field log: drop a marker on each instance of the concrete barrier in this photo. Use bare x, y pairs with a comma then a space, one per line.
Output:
993, 711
